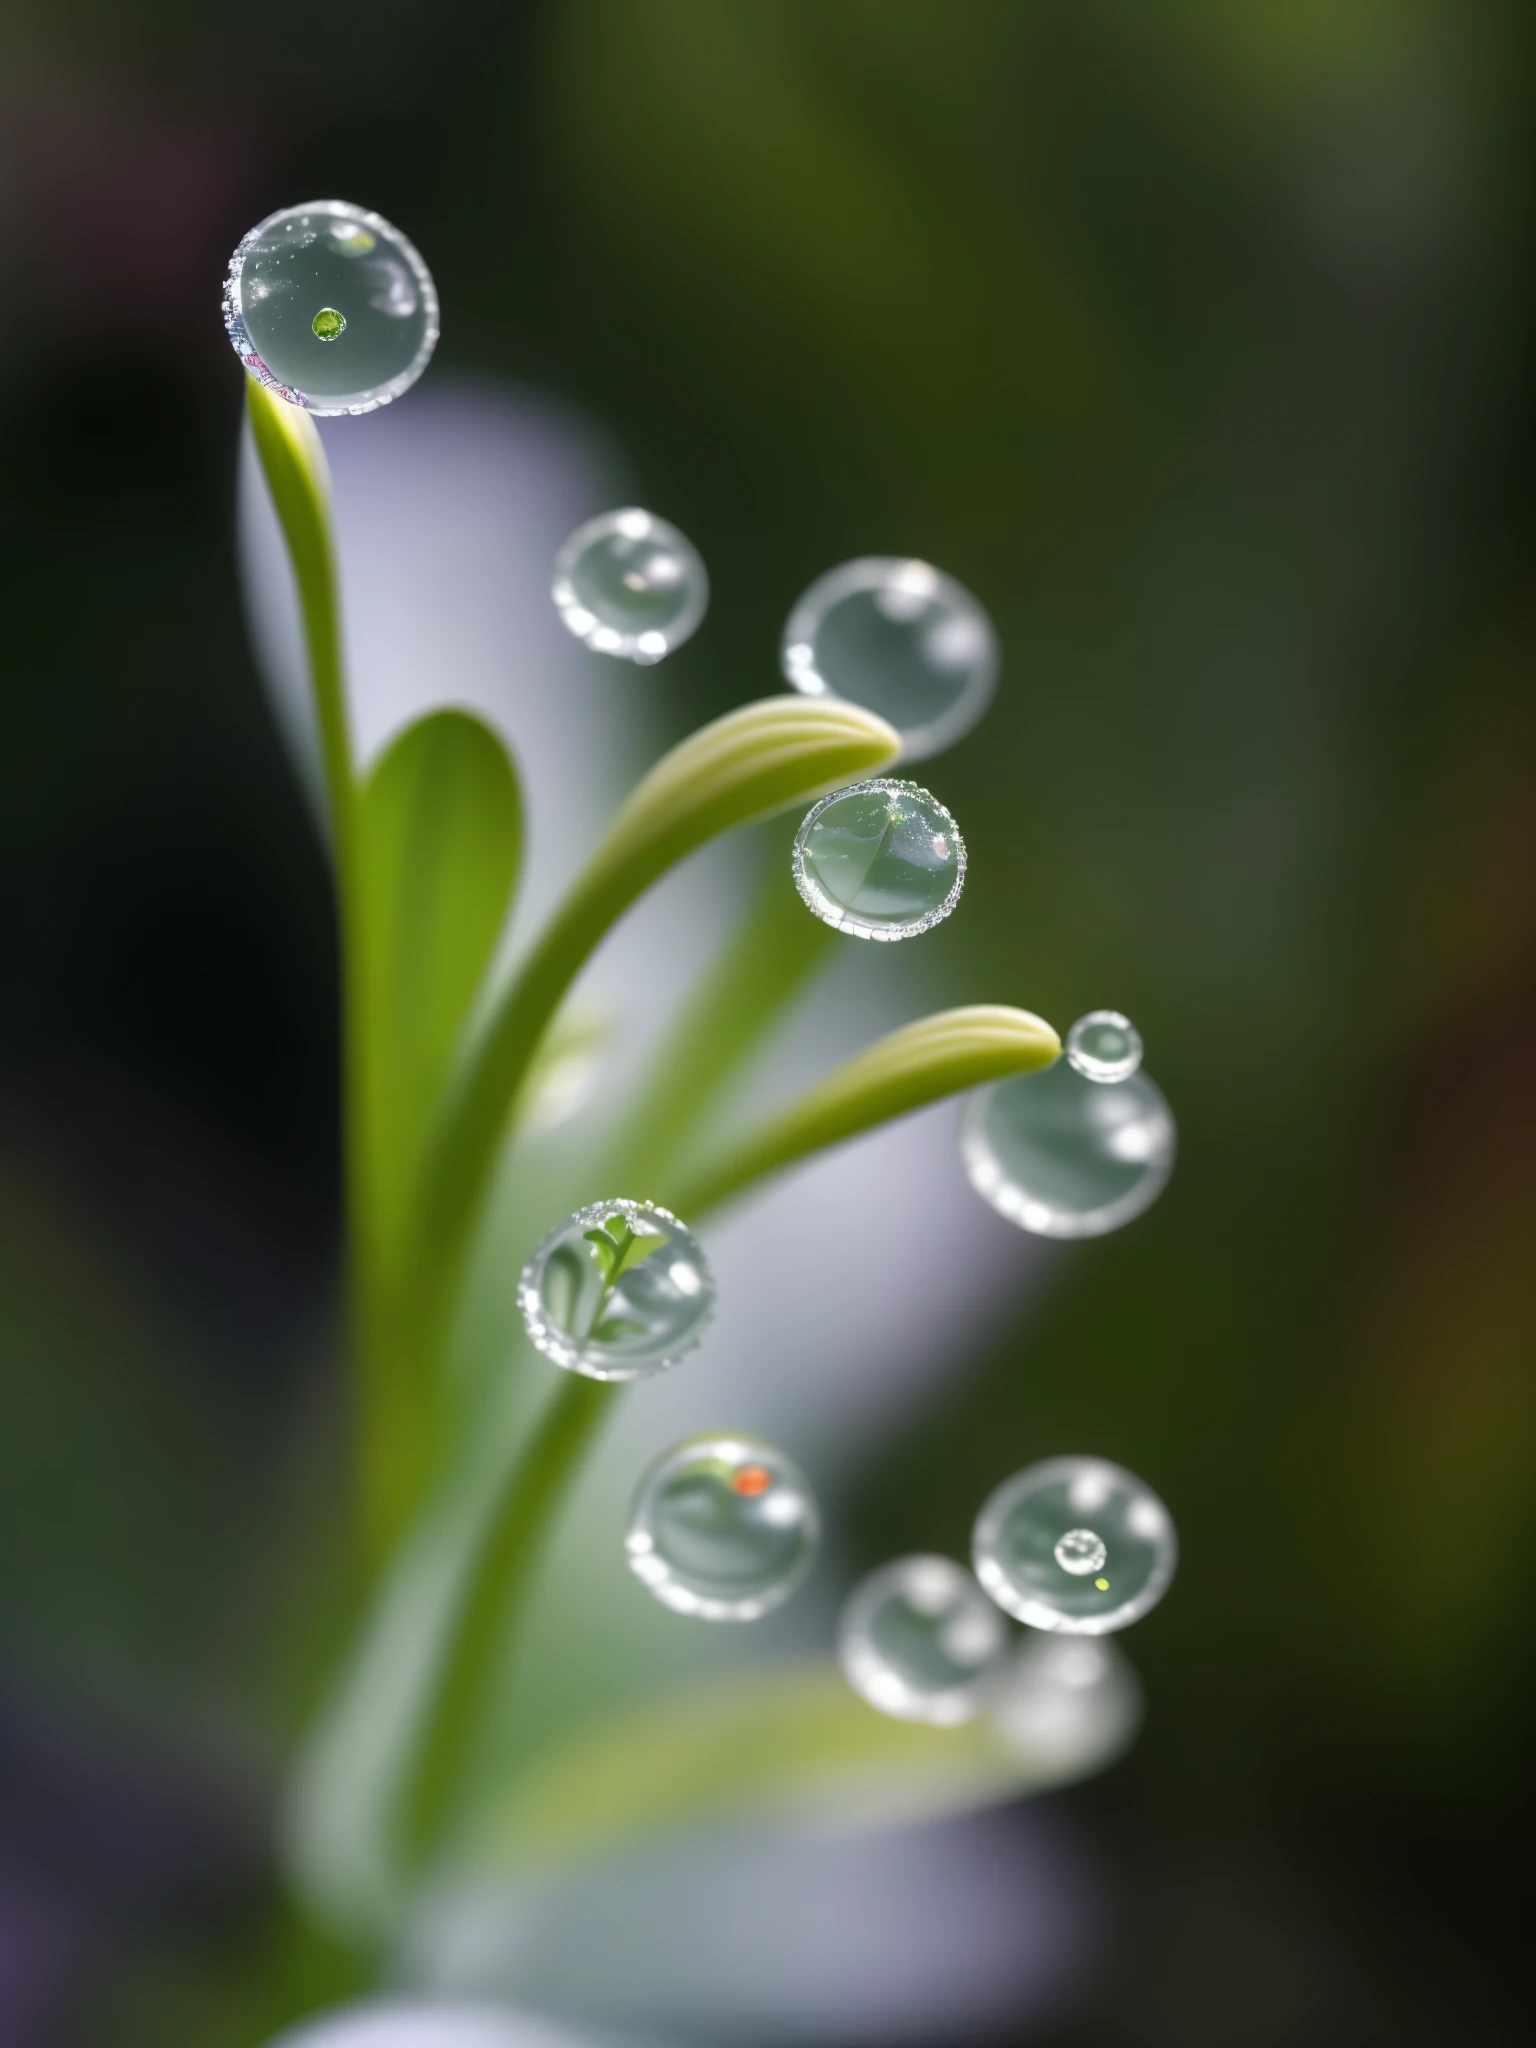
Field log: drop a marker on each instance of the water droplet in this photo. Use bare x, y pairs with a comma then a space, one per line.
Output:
1066, 1703
723, 1527
883, 860
619, 1291
1025, 1524
1081, 1552
376, 326
628, 583
904, 640
1104, 1046
920, 1641
1067, 1157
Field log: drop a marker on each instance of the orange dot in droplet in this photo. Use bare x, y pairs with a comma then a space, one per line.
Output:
752, 1480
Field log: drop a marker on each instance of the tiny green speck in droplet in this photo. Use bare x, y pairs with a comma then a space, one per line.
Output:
328, 324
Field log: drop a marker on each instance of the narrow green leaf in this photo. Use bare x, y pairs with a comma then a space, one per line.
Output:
605, 1250
439, 837
937, 1056
791, 1740
615, 1327
293, 463
563, 1278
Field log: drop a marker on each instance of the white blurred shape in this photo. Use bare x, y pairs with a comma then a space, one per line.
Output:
423, 2023
949, 1932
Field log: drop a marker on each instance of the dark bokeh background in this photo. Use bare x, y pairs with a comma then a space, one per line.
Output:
1196, 339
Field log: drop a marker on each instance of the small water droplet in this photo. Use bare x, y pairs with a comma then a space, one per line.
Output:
882, 860
1081, 1552
367, 281
723, 1527
1027, 1522
1104, 1046
629, 584
1063, 1156
901, 638
619, 1291
919, 1640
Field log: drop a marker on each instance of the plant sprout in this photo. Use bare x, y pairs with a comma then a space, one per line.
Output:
390, 1801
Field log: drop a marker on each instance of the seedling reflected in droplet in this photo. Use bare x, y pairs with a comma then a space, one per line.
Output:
618, 1291
328, 324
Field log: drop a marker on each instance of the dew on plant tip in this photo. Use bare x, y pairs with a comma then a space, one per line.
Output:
1064, 1156
1104, 1046
618, 1291
919, 1640
331, 307
900, 638
1041, 1533
724, 1527
882, 860
629, 584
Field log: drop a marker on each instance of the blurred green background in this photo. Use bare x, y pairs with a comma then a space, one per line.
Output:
1197, 340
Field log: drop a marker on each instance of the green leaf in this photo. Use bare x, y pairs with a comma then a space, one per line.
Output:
605, 1250
439, 839
791, 1740
937, 1056
564, 1277
759, 759
293, 463
638, 1247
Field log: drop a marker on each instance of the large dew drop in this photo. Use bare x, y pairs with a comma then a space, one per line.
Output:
1075, 1545
919, 1640
1064, 1156
883, 860
619, 1291
904, 640
723, 1527
330, 307
629, 584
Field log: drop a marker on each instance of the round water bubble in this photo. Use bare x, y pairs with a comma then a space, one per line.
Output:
619, 1291
628, 583
883, 860
1067, 1704
723, 1527
1104, 1046
919, 1640
1076, 1545
901, 638
330, 307
1063, 1156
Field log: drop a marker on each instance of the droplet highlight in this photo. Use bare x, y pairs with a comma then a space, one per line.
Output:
724, 1528
629, 584
1024, 1525
619, 1291
1104, 1046
901, 638
331, 307
881, 860
1063, 1156
919, 1640
1066, 1704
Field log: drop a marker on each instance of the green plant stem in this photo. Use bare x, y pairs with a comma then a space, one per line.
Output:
293, 463
511, 1546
